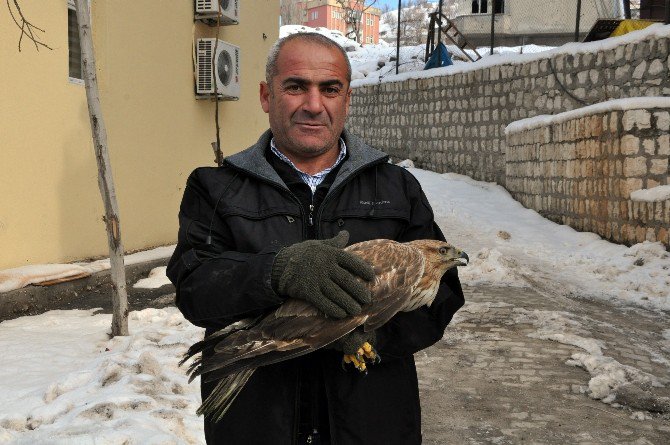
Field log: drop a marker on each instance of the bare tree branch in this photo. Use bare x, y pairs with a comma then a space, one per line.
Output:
353, 13
26, 27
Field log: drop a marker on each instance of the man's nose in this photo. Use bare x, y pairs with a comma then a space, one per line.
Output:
313, 102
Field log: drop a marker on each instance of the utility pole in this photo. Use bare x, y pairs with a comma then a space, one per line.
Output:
397, 40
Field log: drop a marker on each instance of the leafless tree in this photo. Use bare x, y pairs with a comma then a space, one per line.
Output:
291, 12
99, 133
414, 20
27, 29
353, 13
105, 177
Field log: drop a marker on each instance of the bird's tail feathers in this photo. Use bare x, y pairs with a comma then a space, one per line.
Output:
221, 398
208, 343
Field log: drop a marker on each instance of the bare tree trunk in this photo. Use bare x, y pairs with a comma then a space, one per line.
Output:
105, 179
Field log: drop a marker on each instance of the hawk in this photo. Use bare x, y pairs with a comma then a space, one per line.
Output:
407, 276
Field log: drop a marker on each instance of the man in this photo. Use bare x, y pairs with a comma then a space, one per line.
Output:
307, 179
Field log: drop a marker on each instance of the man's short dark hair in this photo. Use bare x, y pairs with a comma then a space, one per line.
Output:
312, 37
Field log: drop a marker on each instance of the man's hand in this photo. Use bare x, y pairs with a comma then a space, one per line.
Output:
322, 273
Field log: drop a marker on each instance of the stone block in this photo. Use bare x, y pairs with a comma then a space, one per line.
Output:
630, 144
648, 146
659, 166
655, 67
639, 70
635, 166
662, 120
663, 145
640, 119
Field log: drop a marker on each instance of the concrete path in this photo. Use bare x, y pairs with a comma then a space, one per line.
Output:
518, 366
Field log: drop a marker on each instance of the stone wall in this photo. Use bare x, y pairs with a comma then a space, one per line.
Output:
455, 122
580, 170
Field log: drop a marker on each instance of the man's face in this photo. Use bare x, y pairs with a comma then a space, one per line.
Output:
308, 100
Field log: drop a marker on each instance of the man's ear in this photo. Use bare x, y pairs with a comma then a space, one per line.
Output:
264, 94
348, 101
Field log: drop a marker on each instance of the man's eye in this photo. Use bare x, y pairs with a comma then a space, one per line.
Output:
332, 91
293, 88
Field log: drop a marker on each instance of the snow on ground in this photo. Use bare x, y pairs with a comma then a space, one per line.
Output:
377, 61
156, 279
510, 56
511, 244
18, 277
74, 385
68, 383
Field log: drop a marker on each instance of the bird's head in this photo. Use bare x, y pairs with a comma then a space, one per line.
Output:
441, 255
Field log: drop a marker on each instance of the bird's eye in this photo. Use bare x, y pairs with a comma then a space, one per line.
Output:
443, 250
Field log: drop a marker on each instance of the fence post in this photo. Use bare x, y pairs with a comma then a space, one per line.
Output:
493, 24
579, 14
439, 35
626, 9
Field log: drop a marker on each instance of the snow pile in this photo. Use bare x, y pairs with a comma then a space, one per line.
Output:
16, 278
654, 194
124, 390
156, 279
509, 244
611, 381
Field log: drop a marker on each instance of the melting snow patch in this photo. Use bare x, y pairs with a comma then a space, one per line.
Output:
156, 279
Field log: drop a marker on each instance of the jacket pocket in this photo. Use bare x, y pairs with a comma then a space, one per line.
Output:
265, 230
366, 222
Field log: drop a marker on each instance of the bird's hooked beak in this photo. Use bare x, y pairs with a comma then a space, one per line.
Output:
464, 259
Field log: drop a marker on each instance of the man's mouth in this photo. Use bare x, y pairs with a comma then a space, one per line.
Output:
310, 124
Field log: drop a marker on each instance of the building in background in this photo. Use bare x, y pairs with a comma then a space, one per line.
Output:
158, 131
353, 18
519, 22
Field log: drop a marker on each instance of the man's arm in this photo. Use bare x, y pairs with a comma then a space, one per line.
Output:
215, 284
409, 332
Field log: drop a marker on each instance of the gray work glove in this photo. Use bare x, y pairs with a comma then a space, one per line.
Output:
320, 272
350, 343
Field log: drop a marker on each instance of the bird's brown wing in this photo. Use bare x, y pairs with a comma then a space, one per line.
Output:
297, 328
398, 268
294, 329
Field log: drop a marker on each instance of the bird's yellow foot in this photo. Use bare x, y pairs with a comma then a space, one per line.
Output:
365, 354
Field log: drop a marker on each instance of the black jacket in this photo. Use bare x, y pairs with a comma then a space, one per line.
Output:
249, 213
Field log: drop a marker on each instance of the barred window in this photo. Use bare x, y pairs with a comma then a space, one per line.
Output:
74, 48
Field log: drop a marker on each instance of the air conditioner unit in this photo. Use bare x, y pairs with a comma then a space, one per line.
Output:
207, 11
226, 69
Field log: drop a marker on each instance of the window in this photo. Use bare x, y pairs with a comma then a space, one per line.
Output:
75, 70
369, 39
368, 21
480, 6
315, 15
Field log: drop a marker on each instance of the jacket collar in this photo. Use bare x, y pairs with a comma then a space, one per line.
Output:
253, 161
